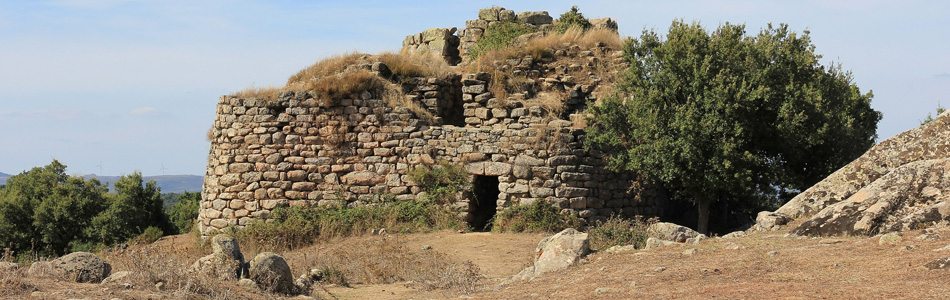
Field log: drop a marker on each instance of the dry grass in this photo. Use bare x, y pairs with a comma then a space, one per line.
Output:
326, 67
382, 260
539, 48
150, 265
407, 65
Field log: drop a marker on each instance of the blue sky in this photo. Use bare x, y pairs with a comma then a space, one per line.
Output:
114, 86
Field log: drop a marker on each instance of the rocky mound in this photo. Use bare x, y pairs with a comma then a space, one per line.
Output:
898, 184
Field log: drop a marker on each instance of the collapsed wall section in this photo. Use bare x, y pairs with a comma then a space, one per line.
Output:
294, 151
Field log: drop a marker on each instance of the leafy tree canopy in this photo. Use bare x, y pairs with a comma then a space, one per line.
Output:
43, 211
724, 115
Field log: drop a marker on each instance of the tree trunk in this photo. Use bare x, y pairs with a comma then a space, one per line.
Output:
702, 224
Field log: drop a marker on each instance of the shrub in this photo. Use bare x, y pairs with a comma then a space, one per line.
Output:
150, 235
571, 18
184, 213
440, 182
535, 217
618, 231
498, 36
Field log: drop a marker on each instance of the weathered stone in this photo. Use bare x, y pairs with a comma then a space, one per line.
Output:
81, 267
927, 142
361, 178
535, 17
225, 261
271, 273
893, 202
560, 251
497, 169
672, 232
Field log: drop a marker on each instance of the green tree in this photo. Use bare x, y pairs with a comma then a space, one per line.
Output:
135, 206
724, 116
571, 18
184, 213
45, 210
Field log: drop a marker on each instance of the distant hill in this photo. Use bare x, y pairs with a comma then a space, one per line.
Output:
168, 183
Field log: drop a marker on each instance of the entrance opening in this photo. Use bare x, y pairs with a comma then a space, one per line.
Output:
485, 192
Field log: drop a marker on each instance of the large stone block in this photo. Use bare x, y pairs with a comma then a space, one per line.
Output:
569, 192
497, 169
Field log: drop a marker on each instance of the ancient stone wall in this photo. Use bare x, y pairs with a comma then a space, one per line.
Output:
294, 151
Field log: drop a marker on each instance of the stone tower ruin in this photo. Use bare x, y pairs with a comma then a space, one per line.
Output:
295, 150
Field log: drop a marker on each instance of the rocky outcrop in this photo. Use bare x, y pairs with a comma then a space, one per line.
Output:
929, 141
912, 195
225, 261
896, 185
271, 273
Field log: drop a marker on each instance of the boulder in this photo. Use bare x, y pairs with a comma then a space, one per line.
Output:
117, 277
604, 23
560, 251
906, 197
81, 267
768, 221
890, 239
271, 273
225, 261
535, 17
673, 232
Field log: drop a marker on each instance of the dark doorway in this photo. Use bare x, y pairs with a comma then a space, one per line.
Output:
485, 190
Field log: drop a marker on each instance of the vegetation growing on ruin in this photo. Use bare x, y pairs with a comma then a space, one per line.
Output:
298, 226
441, 182
539, 216
571, 18
498, 36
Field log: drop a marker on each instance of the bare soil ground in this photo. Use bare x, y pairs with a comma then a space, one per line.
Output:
765, 266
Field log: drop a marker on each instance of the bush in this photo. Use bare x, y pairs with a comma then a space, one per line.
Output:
150, 235
440, 182
535, 217
184, 213
571, 18
295, 227
618, 231
498, 36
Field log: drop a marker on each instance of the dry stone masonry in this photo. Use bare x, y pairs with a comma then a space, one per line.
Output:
295, 151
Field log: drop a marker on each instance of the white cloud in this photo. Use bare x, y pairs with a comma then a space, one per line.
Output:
144, 111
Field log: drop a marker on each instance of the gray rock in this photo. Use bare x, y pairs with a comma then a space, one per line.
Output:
81, 267
673, 232
271, 273
621, 249
768, 221
897, 201
940, 263
225, 262
560, 251
117, 277
653, 242
929, 141
535, 17
731, 246
604, 23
